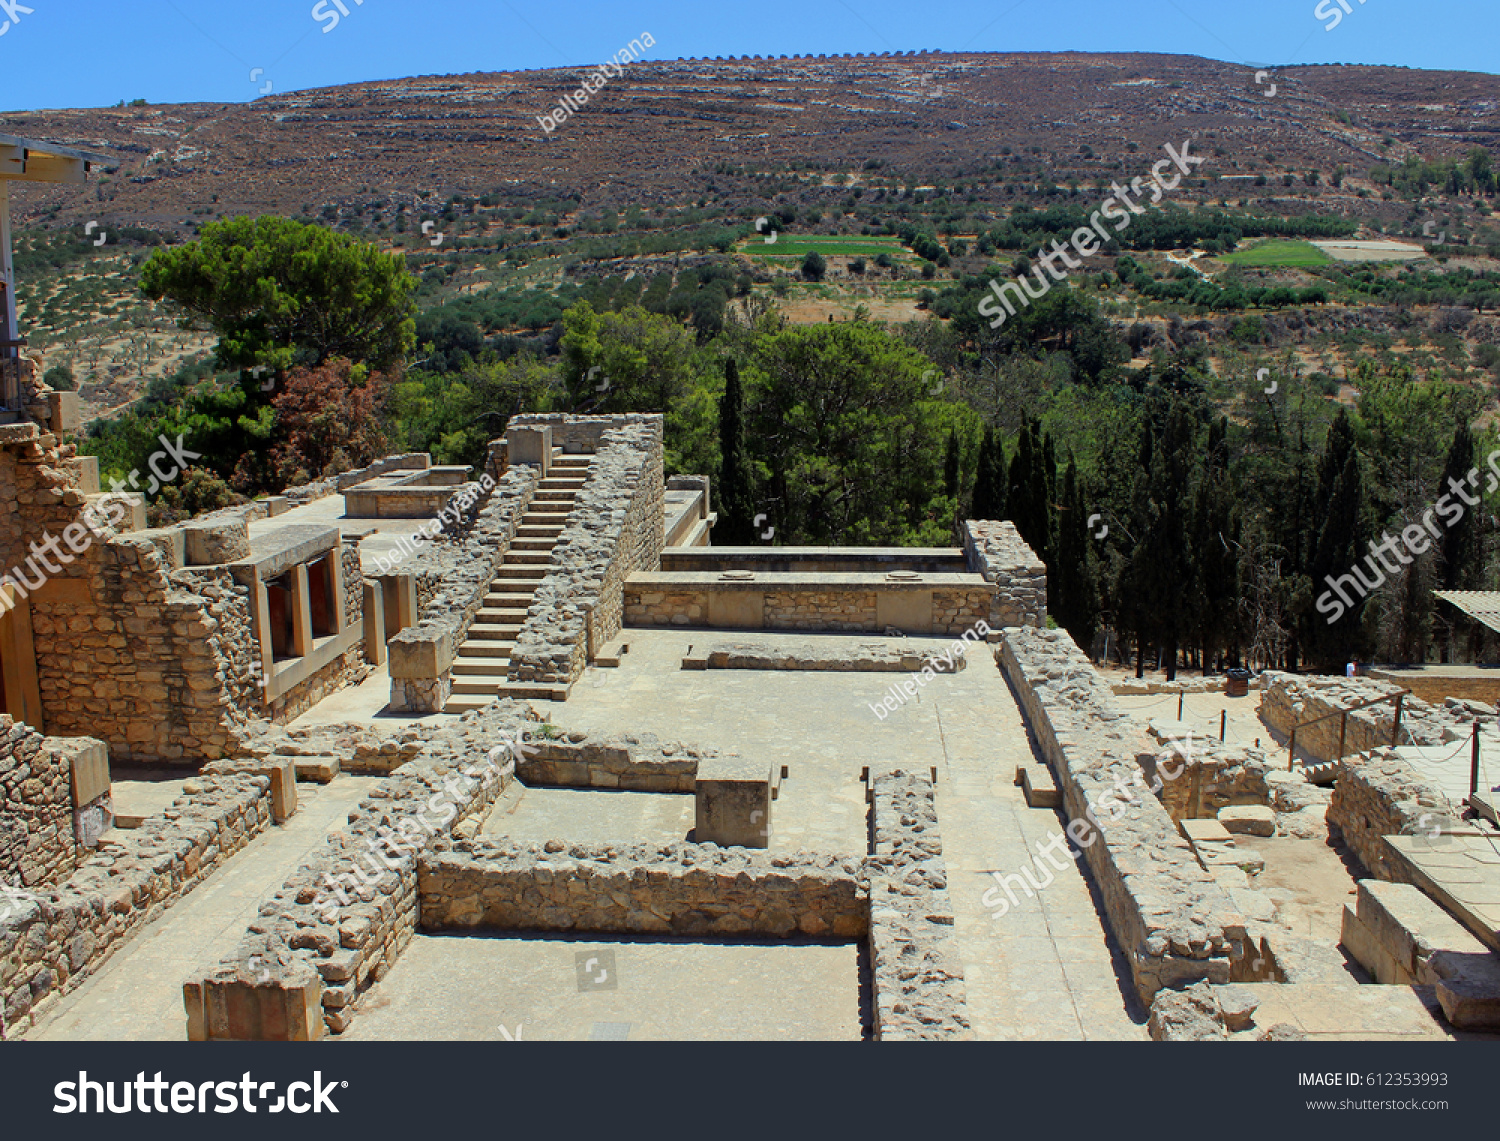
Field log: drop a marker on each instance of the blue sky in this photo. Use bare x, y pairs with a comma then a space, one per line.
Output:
81, 53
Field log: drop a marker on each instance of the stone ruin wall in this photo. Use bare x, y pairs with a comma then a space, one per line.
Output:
617, 527
997, 551
641, 889
917, 967
1381, 795
38, 846
312, 963
51, 944
124, 651
1288, 700
1174, 922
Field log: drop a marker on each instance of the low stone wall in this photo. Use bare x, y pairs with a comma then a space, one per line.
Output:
1381, 795
406, 461
38, 845
421, 656
616, 528
997, 551
876, 657
1289, 700
641, 764
1174, 922
918, 970
49, 945
673, 889
340, 921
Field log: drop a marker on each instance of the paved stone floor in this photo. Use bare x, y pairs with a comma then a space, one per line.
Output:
593, 817
465, 988
1045, 970
1200, 711
137, 994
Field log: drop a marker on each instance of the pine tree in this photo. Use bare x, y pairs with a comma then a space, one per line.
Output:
736, 524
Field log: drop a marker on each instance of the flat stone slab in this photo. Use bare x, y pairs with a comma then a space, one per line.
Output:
1249, 820
874, 657
274, 552
1204, 831
1460, 871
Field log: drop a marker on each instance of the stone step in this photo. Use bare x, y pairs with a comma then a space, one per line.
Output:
475, 649
501, 616
562, 483
528, 558
493, 632
508, 599
529, 531
546, 496
467, 703
1038, 787
319, 769
539, 543
525, 571
480, 667
535, 690
475, 688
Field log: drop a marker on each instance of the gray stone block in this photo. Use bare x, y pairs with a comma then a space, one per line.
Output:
733, 802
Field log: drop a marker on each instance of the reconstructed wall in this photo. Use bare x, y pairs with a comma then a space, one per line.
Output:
997, 551
918, 970
1381, 795
1175, 923
844, 608
124, 651
671, 889
312, 947
48, 947
458, 574
615, 528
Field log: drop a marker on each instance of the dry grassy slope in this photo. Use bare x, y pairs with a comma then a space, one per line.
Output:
639, 138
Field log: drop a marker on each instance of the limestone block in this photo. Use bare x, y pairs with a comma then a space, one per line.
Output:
170, 543
1249, 820
1368, 952
62, 412
374, 620
733, 802
530, 446
1412, 929
210, 542
88, 766
283, 773
284, 1009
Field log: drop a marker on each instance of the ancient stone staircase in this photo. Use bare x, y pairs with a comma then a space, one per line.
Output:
483, 660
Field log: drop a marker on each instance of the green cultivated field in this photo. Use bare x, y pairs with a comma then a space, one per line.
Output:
1273, 254
799, 245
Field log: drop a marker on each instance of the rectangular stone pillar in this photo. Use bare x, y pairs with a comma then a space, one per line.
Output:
734, 803
374, 622
302, 635
530, 446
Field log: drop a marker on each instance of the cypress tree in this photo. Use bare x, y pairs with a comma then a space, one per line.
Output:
1340, 550
1077, 595
989, 481
736, 526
